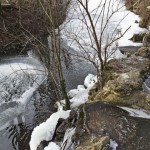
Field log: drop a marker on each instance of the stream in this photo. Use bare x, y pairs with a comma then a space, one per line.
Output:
22, 104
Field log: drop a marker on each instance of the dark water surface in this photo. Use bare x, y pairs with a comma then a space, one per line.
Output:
40, 106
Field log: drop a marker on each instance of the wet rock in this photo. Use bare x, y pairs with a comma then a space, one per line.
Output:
42, 145
63, 125
128, 50
101, 122
101, 144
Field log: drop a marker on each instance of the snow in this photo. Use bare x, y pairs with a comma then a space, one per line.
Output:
46, 130
80, 95
90, 80
141, 113
52, 146
113, 145
75, 32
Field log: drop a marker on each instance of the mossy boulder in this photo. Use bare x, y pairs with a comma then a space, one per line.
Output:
101, 144
126, 88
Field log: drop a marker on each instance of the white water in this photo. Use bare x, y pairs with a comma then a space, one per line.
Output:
19, 79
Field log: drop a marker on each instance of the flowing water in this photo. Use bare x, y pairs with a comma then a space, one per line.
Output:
23, 99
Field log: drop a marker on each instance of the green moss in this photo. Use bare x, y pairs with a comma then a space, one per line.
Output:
101, 144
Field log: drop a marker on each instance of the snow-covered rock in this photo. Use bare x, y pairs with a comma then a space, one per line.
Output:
46, 130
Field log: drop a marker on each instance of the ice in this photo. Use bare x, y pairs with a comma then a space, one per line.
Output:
146, 88
26, 96
141, 113
46, 130
9, 114
67, 141
8, 69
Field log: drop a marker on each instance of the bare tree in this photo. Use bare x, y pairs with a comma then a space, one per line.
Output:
55, 51
100, 45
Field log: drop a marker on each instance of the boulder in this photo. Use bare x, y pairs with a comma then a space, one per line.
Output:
126, 86
124, 65
124, 90
144, 52
99, 123
101, 144
138, 37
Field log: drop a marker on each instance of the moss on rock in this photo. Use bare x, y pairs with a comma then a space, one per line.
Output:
101, 144
144, 52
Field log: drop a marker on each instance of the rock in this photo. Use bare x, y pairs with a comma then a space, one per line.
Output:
117, 66
64, 125
146, 40
144, 52
125, 88
42, 145
125, 83
143, 23
102, 122
140, 7
138, 37
101, 144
